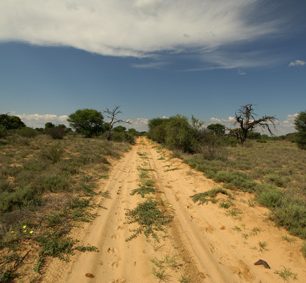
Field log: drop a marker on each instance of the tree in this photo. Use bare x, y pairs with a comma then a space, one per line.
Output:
112, 115
217, 129
157, 130
88, 122
10, 122
246, 119
300, 126
49, 125
179, 133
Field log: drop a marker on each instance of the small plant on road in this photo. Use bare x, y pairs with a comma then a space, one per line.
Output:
262, 246
143, 190
210, 195
150, 217
286, 274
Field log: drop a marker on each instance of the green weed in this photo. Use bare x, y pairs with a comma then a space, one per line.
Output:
150, 217
210, 195
286, 274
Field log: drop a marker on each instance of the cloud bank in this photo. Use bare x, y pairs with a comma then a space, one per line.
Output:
297, 63
138, 28
39, 120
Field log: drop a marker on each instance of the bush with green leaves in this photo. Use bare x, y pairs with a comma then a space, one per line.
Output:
88, 122
175, 132
300, 126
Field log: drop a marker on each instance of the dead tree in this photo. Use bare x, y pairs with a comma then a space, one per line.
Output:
246, 119
112, 115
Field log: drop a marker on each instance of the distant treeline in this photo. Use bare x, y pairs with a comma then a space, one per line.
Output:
191, 136
86, 122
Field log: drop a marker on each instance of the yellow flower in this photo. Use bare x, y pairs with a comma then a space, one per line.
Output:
31, 232
24, 226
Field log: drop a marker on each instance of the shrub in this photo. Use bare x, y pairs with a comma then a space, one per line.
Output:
53, 153
55, 183
236, 180
271, 197
17, 199
291, 214
56, 133
10, 122
300, 125
26, 132
55, 245
3, 132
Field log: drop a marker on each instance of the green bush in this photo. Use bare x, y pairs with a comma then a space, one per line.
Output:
236, 180
270, 197
10, 122
300, 125
88, 122
17, 199
291, 214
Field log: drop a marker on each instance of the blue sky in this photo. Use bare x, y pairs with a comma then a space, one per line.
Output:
153, 58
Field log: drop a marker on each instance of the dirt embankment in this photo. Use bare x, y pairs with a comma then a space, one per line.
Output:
212, 242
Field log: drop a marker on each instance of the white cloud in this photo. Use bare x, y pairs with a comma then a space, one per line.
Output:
150, 65
140, 124
136, 27
297, 63
39, 120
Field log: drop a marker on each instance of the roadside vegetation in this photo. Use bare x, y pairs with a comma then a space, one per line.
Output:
48, 179
272, 168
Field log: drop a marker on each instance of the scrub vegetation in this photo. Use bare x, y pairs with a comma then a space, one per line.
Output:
273, 168
48, 179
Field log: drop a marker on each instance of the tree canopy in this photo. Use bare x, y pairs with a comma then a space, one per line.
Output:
88, 122
11, 122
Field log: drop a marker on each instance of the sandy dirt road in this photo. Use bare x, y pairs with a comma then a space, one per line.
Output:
203, 243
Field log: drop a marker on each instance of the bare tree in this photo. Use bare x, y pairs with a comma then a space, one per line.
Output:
246, 119
112, 115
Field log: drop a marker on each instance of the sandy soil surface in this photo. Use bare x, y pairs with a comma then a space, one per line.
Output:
204, 243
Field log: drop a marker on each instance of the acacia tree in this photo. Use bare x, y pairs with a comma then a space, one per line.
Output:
300, 126
88, 122
112, 115
246, 119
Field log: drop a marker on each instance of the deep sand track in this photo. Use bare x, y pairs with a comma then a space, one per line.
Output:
206, 243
